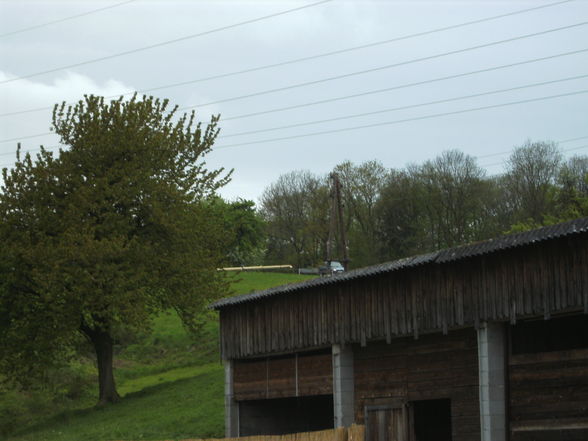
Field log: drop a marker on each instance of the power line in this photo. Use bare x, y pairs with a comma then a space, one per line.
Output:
353, 48
12, 153
571, 139
403, 198
165, 43
321, 55
371, 92
564, 141
372, 70
575, 148
477, 157
435, 115
61, 20
390, 110
361, 94
387, 66
38, 135
32, 150
402, 86
510, 151
410, 106
51, 148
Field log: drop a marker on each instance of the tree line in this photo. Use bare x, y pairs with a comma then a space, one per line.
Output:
444, 202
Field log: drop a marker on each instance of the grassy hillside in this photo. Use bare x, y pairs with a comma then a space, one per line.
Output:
172, 384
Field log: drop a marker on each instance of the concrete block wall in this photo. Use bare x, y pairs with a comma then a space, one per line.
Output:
492, 375
231, 406
343, 386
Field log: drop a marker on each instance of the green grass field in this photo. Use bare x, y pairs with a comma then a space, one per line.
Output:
171, 383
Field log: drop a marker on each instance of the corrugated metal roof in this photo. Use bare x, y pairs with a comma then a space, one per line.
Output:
514, 240
448, 255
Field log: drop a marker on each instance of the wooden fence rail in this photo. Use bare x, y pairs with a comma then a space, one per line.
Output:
353, 433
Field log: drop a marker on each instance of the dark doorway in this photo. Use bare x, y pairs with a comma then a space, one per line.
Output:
285, 415
431, 420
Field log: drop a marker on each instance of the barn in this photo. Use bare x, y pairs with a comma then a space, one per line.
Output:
487, 341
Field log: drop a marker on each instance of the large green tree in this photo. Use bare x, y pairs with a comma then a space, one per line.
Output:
109, 231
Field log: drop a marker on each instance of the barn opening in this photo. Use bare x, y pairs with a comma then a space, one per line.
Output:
432, 420
558, 334
286, 415
548, 391
285, 393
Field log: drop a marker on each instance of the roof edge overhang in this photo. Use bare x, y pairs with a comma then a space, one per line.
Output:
490, 246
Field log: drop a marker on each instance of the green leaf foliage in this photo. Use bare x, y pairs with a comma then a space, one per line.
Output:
245, 230
108, 231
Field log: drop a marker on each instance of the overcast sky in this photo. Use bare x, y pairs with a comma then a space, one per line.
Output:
320, 29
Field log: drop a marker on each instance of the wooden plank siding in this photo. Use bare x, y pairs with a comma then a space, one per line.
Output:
315, 374
549, 396
538, 279
282, 377
432, 367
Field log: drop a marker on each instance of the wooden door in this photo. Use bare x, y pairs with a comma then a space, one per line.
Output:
386, 423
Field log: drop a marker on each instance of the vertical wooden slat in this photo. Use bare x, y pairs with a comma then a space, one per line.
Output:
387, 315
534, 280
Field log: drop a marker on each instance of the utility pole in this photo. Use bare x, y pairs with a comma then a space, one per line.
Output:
337, 223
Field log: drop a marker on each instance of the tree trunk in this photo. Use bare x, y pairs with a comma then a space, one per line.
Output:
103, 345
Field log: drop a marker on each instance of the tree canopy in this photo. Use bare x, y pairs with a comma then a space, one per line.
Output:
110, 230
443, 202
244, 229
295, 208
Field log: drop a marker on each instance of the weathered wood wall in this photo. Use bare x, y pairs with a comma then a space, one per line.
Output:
432, 367
536, 279
549, 396
303, 374
548, 380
